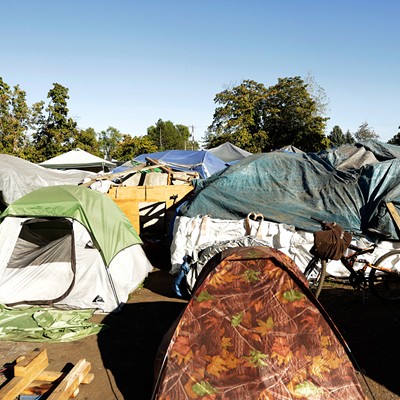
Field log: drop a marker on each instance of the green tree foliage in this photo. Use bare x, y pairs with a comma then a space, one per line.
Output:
291, 117
87, 140
56, 132
395, 139
260, 119
349, 138
364, 132
337, 137
167, 136
108, 142
14, 120
240, 117
318, 94
131, 147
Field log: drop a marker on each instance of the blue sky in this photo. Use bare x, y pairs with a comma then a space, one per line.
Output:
129, 63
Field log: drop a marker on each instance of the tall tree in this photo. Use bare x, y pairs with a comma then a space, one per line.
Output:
318, 94
57, 130
364, 132
291, 117
87, 140
14, 119
349, 138
396, 138
167, 136
131, 147
240, 118
108, 141
260, 119
337, 137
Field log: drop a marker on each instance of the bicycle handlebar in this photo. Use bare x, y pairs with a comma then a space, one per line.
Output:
321, 221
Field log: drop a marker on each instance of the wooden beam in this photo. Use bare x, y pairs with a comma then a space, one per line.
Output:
25, 372
395, 215
70, 384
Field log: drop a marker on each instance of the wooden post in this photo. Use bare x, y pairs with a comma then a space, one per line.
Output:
395, 215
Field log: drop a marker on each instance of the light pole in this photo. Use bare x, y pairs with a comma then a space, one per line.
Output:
191, 126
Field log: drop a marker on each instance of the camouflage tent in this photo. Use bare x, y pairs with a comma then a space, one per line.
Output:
252, 330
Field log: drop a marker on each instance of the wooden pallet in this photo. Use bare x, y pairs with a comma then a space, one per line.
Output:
32, 378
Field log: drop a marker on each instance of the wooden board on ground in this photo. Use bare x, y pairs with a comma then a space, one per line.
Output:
30, 377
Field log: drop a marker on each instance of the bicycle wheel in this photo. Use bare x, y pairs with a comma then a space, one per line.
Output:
386, 285
315, 273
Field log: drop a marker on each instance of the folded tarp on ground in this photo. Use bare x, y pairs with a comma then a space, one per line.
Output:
290, 188
36, 324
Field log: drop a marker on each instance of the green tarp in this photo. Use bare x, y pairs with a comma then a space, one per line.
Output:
36, 324
291, 188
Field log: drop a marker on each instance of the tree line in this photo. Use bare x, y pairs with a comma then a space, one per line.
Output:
250, 115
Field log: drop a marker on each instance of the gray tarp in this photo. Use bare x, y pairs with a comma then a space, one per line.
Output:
19, 177
228, 152
291, 187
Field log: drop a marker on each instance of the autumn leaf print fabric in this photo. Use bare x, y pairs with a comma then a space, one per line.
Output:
252, 331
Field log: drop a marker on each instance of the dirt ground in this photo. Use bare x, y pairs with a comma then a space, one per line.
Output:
122, 356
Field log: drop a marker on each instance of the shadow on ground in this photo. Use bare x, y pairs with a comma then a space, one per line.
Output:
371, 329
130, 344
129, 347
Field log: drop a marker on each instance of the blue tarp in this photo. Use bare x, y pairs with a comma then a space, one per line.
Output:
200, 161
290, 188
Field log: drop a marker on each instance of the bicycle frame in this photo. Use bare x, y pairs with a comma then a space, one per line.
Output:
357, 277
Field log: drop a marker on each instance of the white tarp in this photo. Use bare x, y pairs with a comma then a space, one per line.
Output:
192, 235
77, 158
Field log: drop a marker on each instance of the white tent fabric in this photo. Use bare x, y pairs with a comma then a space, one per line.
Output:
192, 235
19, 177
228, 152
47, 275
77, 158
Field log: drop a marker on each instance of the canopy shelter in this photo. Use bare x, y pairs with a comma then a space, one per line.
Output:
78, 159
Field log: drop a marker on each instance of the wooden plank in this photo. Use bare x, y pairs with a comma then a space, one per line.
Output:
35, 362
395, 215
51, 376
26, 370
69, 385
14, 388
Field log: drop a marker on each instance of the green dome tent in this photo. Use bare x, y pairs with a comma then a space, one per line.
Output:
69, 245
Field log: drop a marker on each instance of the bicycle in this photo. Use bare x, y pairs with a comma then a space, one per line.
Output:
383, 279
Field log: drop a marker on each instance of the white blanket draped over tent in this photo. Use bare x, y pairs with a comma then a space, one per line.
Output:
192, 235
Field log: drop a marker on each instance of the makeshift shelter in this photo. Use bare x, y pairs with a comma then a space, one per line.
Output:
203, 162
78, 159
18, 177
69, 246
290, 188
229, 153
253, 330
